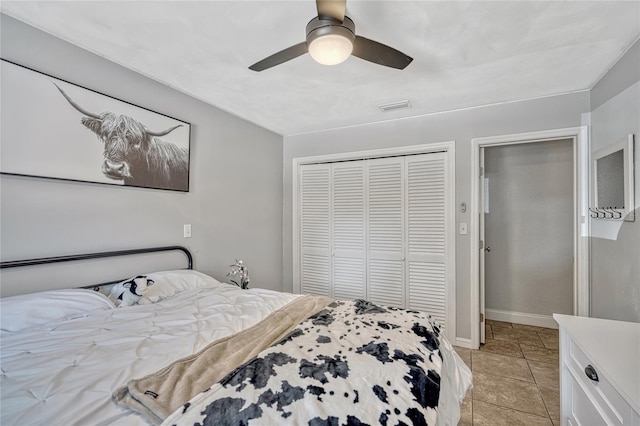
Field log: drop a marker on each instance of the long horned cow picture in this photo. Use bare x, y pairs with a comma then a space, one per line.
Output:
44, 135
133, 153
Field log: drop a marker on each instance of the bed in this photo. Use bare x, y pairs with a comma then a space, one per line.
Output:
194, 350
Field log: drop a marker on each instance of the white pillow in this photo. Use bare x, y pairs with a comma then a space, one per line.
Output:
169, 283
37, 309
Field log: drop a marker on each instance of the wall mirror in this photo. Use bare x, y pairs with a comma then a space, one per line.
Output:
613, 180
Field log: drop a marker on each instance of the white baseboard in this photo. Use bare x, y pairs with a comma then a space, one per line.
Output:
463, 343
521, 318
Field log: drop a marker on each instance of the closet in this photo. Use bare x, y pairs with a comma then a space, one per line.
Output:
376, 229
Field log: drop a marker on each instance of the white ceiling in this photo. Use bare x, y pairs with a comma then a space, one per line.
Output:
466, 53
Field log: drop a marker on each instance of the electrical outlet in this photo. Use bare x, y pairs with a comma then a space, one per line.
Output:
187, 231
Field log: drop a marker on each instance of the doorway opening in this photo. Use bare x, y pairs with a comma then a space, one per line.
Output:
575, 140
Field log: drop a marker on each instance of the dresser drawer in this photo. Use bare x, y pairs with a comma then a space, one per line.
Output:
582, 410
606, 398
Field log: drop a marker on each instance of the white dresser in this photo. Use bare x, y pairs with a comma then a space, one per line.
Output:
611, 350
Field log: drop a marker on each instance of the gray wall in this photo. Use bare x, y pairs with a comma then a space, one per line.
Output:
525, 116
529, 228
615, 246
235, 201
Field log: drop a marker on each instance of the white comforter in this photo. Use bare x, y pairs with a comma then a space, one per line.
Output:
64, 373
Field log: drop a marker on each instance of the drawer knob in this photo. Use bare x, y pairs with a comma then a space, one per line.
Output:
591, 373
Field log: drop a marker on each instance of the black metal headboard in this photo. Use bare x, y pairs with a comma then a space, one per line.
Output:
87, 256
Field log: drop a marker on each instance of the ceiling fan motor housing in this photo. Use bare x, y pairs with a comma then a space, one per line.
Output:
319, 27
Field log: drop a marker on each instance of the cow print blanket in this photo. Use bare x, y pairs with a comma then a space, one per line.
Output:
353, 363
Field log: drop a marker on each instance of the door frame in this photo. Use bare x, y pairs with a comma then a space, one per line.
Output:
448, 147
580, 137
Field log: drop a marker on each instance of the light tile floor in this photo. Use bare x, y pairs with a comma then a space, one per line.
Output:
515, 377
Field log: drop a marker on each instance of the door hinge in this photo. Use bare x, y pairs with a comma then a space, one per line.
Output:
481, 244
481, 317
481, 171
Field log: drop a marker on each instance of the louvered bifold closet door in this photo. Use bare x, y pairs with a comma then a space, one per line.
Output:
315, 229
386, 231
426, 243
349, 230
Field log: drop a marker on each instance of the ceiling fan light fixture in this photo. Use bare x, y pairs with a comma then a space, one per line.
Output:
330, 49
330, 41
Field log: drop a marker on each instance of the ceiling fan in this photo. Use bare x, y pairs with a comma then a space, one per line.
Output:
331, 39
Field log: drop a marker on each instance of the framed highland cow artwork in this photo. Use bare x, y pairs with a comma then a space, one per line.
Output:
52, 128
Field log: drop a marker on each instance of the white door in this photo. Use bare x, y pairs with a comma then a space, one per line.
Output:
315, 229
349, 230
380, 229
426, 261
386, 242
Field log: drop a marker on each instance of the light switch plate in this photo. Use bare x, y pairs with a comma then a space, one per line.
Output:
187, 231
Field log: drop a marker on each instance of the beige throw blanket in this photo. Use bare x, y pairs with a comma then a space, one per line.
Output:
158, 395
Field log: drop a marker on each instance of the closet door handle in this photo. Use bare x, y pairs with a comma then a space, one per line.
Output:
591, 373
487, 249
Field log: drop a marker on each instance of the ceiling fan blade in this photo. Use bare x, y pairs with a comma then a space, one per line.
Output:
331, 9
379, 53
282, 56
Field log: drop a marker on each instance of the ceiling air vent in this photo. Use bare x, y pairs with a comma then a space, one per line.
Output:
394, 106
